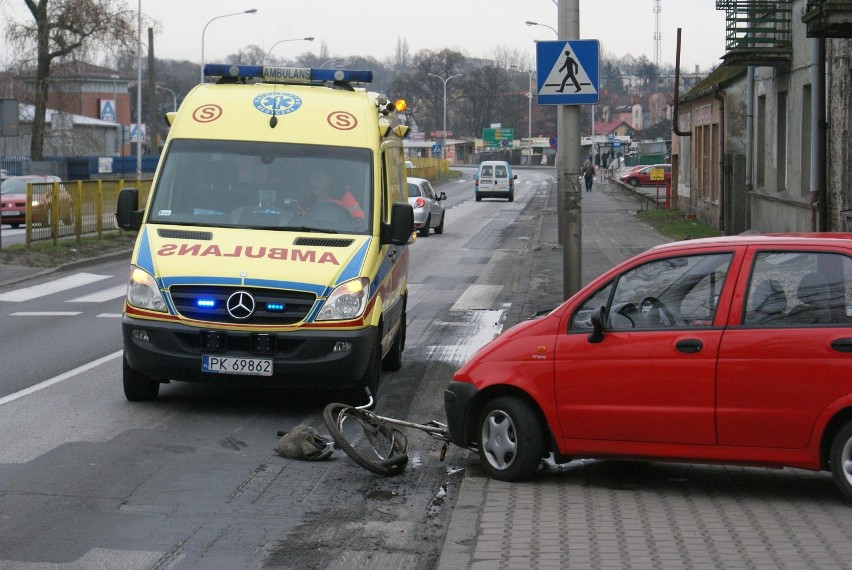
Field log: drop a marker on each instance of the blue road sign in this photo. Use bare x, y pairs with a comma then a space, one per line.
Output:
568, 72
436, 148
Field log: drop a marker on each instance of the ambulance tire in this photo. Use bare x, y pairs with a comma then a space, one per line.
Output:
357, 396
139, 387
392, 361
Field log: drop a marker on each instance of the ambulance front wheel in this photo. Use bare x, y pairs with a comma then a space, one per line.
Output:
139, 387
357, 396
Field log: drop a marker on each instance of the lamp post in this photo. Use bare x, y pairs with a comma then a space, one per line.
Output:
308, 39
333, 61
174, 97
204, 31
444, 133
531, 23
118, 129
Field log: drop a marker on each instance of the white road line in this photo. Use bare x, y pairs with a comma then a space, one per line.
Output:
60, 378
110, 315
55, 286
477, 297
101, 296
45, 314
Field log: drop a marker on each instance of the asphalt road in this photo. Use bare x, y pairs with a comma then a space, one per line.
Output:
89, 480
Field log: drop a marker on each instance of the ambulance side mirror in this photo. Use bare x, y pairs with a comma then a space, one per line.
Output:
128, 216
401, 226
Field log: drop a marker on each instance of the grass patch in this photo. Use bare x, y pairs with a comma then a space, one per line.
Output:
45, 254
674, 224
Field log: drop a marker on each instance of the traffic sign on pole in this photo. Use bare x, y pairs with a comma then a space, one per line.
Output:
568, 72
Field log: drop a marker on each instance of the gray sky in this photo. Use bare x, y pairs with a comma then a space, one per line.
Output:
473, 27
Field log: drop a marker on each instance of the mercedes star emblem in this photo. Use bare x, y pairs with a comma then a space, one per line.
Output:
241, 305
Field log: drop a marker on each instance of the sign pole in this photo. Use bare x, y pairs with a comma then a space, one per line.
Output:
568, 167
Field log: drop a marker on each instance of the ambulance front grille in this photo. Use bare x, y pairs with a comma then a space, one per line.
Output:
323, 242
185, 234
272, 306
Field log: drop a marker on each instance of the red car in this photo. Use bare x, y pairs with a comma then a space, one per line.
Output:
13, 194
722, 350
641, 175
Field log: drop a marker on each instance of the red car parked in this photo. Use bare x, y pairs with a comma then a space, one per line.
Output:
641, 175
722, 350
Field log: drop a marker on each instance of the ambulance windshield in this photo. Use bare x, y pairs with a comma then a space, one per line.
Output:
265, 186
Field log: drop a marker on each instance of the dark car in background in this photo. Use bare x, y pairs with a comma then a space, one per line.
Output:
13, 199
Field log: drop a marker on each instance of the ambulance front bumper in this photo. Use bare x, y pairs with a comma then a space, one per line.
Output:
300, 359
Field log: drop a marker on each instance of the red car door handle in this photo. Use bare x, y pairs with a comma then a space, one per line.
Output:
842, 345
689, 346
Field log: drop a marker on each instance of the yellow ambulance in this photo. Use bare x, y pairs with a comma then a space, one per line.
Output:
274, 246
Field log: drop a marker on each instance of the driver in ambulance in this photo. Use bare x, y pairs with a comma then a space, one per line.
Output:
322, 187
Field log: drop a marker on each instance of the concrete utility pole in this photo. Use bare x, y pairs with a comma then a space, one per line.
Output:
568, 167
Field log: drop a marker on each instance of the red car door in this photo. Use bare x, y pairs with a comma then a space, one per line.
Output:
652, 376
786, 358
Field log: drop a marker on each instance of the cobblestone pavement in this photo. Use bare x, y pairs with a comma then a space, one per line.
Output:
638, 515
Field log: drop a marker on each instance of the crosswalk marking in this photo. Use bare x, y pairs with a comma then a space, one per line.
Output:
101, 296
56, 286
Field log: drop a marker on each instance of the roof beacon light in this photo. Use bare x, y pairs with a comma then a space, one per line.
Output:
280, 74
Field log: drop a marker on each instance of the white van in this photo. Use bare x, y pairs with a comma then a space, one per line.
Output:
494, 179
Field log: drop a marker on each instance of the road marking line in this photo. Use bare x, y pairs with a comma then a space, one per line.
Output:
45, 314
111, 315
101, 296
477, 297
55, 286
60, 378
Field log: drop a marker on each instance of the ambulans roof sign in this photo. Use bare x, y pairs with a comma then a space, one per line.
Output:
567, 72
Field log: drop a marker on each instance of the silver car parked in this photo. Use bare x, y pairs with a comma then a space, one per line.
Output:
428, 210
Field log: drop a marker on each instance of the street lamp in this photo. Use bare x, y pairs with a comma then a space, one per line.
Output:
174, 97
308, 39
444, 148
204, 31
333, 61
530, 23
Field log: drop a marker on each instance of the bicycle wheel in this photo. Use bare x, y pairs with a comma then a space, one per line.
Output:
366, 439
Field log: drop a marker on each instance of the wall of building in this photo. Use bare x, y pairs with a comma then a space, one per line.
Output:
839, 120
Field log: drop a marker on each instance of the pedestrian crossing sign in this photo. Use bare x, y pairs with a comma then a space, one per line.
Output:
567, 72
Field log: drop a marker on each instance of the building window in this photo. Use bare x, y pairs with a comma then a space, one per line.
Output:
781, 142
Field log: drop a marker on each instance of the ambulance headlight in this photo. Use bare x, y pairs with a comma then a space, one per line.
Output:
143, 292
347, 301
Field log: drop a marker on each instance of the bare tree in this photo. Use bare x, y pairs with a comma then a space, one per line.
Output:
59, 29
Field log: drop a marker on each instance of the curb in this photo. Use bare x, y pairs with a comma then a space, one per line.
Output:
70, 266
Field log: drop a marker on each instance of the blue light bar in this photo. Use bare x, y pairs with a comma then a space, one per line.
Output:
205, 303
279, 307
279, 74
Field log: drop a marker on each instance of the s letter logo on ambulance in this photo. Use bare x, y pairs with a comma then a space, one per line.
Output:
207, 113
342, 120
277, 103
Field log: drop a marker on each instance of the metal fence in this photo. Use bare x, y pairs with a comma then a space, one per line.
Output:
57, 210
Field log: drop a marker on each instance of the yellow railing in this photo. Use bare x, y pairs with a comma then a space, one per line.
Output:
57, 210
428, 168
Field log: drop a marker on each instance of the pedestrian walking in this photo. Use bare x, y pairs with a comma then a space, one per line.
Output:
588, 174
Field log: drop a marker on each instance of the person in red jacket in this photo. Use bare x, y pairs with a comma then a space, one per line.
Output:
322, 187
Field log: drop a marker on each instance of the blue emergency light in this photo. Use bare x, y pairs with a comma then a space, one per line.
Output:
205, 303
280, 74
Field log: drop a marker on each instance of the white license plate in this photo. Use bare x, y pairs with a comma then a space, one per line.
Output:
12, 213
232, 365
